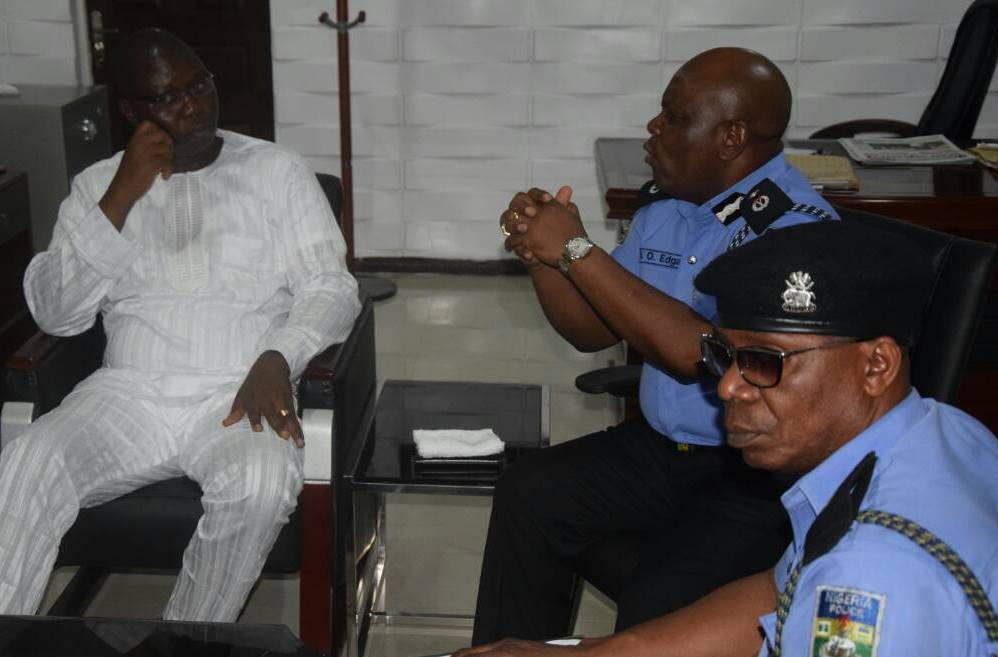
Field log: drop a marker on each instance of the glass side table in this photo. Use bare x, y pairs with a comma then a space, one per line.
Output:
388, 463
52, 636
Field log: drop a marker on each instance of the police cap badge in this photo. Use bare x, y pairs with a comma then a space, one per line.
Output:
830, 277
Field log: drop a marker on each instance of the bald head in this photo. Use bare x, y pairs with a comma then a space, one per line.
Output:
743, 86
143, 55
723, 116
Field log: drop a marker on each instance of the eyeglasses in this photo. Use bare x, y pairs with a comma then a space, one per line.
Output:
759, 366
172, 100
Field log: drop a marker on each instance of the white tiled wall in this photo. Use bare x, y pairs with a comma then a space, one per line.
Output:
37, 42
459, 103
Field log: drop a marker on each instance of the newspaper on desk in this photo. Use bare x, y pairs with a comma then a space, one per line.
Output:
910, 151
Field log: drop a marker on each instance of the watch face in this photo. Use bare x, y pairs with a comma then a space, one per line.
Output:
578, 247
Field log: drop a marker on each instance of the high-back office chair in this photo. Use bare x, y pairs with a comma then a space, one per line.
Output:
956, 104
962, 269
150, 527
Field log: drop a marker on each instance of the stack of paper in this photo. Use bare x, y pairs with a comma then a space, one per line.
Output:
825, 171
987, 154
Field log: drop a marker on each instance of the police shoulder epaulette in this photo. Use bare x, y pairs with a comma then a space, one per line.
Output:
761, 206
649, 193
764, 204
838, 515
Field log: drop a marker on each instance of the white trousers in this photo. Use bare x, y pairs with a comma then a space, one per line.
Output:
120, 431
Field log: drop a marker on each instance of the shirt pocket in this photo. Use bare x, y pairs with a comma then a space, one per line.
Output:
245, 254
247, 267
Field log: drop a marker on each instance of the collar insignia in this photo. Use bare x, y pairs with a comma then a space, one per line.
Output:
759, 203
729, 209
798, 297
649, 193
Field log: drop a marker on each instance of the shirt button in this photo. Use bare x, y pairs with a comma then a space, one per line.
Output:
692, 260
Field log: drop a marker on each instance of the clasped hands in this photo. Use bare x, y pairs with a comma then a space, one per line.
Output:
539, 224
266, 392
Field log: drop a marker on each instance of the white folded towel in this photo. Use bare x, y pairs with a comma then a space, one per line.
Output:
447, 443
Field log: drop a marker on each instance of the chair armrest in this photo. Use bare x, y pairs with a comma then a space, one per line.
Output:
619, 380
336, 397
354, 357
46, 368
860, 126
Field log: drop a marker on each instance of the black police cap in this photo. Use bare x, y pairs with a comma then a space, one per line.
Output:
830, 277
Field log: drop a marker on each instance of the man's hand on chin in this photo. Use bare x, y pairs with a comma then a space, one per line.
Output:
266, 392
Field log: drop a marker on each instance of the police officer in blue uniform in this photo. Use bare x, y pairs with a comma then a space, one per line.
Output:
895, 517
719, 181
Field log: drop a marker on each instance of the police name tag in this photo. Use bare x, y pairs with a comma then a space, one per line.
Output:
660, 258
846, 622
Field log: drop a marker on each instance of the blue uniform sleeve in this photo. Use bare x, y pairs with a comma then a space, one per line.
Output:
628, 254
880, 598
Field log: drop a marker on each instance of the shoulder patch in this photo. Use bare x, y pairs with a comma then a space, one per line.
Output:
847, 622
729, 209
764, 204
649, 193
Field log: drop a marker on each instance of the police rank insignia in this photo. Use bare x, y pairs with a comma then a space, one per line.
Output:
764, 204
846, 622
760, 203
799, 297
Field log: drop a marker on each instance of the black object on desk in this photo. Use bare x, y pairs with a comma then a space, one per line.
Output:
47, 636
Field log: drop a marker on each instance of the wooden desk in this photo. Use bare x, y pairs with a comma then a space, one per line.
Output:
960, 200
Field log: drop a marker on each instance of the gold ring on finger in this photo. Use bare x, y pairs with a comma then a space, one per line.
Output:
283, 412
502, 228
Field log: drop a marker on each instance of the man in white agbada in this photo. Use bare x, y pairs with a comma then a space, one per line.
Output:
218, 268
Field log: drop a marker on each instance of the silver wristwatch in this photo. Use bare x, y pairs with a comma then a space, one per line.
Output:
576, 248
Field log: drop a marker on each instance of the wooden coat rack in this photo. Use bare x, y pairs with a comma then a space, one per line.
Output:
375, 287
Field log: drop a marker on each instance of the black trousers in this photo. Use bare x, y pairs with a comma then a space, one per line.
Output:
705, 519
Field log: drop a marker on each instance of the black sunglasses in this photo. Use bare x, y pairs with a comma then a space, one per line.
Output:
759, 366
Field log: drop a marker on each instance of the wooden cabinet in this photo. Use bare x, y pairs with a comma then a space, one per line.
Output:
52, 133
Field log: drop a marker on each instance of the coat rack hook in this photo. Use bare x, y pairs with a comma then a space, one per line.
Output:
341, 26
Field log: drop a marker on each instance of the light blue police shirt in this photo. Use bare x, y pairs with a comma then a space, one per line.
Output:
669, 243
936, 466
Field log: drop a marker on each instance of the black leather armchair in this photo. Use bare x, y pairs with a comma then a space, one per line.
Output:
150, 527
963, 270
956, 104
